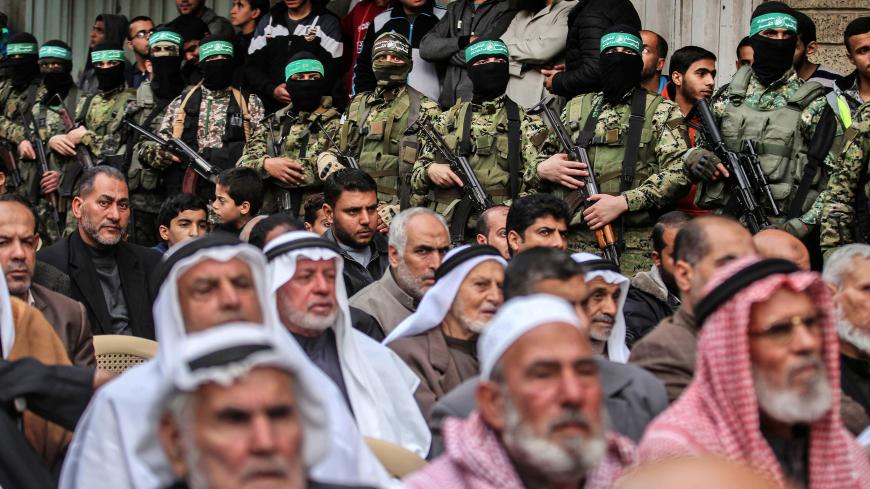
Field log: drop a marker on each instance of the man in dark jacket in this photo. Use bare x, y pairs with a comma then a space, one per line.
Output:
107, 28
109, 276
465, 22
587, 23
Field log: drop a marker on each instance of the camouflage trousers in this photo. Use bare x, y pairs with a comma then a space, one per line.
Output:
634, 258
143, 228
49, 225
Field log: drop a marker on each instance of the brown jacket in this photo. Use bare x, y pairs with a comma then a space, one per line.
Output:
34, 337
669, 352
428, 355
70, 321
385, 301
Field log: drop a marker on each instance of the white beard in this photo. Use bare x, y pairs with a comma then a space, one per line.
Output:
852, 334
792, 407
312, 322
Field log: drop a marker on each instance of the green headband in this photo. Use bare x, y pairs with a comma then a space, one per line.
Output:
167, 36
20, 48
107, 55
486, 48
775, 20
55, 52
214, 48
303, 66
616, 39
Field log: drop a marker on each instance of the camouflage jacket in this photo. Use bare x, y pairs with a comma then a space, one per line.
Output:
489, 138
144, 182
106, 134
12, 103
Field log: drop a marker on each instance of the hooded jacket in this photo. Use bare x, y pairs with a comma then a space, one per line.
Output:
115, 29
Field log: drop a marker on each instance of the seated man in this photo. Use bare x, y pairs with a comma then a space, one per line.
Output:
181, 217
492, 229
763, 391
243, 412
417, 242
605, 301
439, 341
375, 384
537, 220
540, 420
776, 243
238, 197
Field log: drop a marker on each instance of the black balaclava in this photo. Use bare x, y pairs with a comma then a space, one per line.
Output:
489, 80
217, 74
25, 68
166, 79
773, 57
57, 82
620, 72
306, 95
109, 78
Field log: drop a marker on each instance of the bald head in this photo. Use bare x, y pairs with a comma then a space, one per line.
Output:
691, 472
776, 243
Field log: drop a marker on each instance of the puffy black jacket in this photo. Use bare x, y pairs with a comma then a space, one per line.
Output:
587, 23
643, 311
356, 276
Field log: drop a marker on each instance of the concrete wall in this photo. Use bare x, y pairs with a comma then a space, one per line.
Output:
831, 18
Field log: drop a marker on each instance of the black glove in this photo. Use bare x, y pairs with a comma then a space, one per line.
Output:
701, 165
464, 41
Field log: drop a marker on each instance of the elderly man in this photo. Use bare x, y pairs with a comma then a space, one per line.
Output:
439, 340
540, 421
206, 282
305, 279
700, 248
280, 419
776, 243
418, 240
764, 392
605, 301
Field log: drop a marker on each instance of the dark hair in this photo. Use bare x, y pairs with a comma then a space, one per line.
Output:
89, 176
483, 221
178, 203
139, 18
668, 220
243, 185
528, 268
265, 226
261, 5
661, 45
347, 180
744, 43
691, 244
859, 26
806, 28
313, 203
683, 58
21, 200
526, 210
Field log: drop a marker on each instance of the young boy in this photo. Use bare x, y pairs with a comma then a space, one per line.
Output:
238, 198
181, 217
315, 218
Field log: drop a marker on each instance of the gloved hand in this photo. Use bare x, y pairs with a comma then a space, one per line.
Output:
327, 164
387, 212
701, 165
797, 228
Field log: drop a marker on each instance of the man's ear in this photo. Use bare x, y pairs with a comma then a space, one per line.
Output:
164, 232
514, 240
677, 79
170, 440
656, 258
683, 275
811, 49
76, 206
245, 208
481, 239
660, 64
393, 254
490, 404
327, 211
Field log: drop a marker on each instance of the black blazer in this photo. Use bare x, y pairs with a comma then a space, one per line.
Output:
135, 263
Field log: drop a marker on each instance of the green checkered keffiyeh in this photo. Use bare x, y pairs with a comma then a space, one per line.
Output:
167, 36
20, 48
55, 52
215, 48
775, 20
303, 66
107, 55
486, 48
617, 39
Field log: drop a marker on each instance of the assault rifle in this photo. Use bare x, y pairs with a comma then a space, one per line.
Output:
10, 161
346, 160
579, 199
42, 160
83, 155
746, 173
289, 200
474, 197
196, 164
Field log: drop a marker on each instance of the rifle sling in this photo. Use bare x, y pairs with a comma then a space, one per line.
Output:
465, 146
513, 115
820, 144
632, 147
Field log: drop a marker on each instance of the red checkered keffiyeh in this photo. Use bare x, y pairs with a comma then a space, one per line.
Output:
474, 458
718, 412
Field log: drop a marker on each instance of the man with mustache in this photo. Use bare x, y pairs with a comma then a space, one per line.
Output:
417, 243
110, 276
764, 392
607, 290
540, 421
305, 275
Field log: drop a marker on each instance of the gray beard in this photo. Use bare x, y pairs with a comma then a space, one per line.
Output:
311, 322
788, 406
93, 231
407, 281
852, 334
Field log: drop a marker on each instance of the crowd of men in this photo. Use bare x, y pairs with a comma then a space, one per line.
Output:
497, 236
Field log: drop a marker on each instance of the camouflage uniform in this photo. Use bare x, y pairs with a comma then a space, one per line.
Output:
489, 138
838, 226
13, 103
301, 140
659, 180
373, 131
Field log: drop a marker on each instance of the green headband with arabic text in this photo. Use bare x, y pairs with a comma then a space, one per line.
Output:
775, 20
57, 52
215, 48
303, 66
20, 48
621, 39
107, 55
486, 48
165, 36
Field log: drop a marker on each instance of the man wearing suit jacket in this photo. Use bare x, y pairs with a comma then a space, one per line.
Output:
109, 276
18, 243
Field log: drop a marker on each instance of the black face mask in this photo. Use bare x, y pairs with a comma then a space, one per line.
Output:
306, 94
110, 78
57, 83
773, 57
167, 81
490, 81
22, 70
620, 72
217, 74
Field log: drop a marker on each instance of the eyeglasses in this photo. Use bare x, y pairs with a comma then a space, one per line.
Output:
784, 331
143, 34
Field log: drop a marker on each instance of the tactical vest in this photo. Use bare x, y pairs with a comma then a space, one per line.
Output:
607, 150
141, 177
116, 115
236, 131
779, 143
385, 152
861, 204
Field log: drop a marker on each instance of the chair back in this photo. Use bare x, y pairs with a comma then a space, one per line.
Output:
117, 353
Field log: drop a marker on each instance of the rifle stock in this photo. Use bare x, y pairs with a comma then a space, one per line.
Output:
42, 160
11, 164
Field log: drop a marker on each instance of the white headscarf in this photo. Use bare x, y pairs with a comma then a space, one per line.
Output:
517, 317
379, 384
7, 324
617, 351
439, 298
